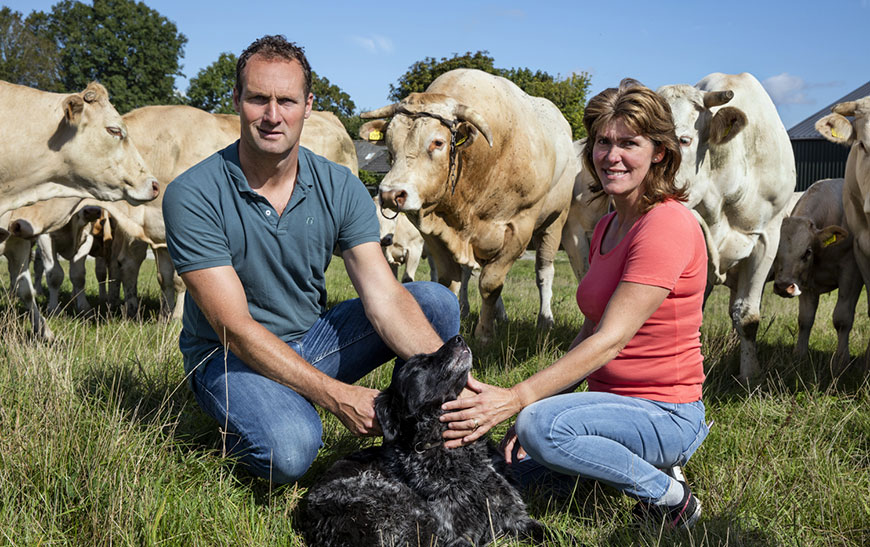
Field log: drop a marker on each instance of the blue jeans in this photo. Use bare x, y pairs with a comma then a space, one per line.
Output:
272, 429
618, 440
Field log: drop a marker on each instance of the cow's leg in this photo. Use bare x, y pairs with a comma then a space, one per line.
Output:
412, 262
861, 248
101, 272
491, 283
448, 271
130, 262
844, 317
746, 305
18, 261
53, 271
77, 274
808, 303
576, 244
39, 268
165, 277
547, 245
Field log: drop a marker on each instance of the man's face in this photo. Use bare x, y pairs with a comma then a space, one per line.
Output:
272, 105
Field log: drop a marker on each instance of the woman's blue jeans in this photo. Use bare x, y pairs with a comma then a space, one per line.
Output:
618, 440
272, 429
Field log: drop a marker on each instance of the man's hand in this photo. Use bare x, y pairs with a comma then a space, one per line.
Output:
356, 410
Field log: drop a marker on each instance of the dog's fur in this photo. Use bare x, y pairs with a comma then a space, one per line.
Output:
411, 490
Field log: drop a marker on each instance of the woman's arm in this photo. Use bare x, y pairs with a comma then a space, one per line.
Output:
629, 307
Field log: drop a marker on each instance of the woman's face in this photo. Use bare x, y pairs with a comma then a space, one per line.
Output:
622, 158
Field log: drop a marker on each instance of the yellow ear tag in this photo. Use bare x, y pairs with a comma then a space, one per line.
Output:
376, 135
834, 133
727, 130
460, 141
830, 241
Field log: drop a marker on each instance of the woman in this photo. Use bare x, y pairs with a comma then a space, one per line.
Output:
639, 347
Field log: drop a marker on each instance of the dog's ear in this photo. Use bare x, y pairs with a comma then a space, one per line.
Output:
386, 415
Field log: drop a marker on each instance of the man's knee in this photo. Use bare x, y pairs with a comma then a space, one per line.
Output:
439, 305
282, 459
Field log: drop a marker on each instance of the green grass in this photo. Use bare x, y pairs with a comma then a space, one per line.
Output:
102, 444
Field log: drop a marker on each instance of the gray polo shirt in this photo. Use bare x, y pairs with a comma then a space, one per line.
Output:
214, 218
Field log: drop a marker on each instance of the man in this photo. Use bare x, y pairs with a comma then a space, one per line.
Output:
251, 230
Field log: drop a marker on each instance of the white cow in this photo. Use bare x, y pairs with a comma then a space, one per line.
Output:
66, 145
482, 169
856, 190
815, 257
172, 139
738, 167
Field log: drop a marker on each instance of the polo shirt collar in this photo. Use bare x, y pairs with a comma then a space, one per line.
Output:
304, 176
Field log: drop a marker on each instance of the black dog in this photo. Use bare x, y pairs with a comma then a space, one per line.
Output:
413, 491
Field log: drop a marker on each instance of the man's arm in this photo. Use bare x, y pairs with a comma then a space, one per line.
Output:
389, 306
219, 294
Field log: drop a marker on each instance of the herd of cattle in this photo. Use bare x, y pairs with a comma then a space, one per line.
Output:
480, 172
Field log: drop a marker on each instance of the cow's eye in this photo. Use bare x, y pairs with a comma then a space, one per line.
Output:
807, 254
437, 143
115, 132
685, 141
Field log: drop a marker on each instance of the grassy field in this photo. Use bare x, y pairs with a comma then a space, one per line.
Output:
102, 444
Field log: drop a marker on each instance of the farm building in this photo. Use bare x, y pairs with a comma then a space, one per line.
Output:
816, 158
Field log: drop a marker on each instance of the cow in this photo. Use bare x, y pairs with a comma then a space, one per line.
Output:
67, 145
172, 139
482, 169
62, 218
738, 168
402, 243
815, 257
836, 127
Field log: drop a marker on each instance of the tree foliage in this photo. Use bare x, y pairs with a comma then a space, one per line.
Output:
27, 57
125, 45
568, 94
212, 87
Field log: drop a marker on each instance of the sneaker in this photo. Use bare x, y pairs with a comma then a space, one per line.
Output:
682, 516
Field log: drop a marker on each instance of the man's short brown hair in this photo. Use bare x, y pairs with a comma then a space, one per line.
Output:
274, 47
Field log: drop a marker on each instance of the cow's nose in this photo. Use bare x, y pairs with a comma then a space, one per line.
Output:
393, 199
786, 289
155, 188
22, 229
387, 240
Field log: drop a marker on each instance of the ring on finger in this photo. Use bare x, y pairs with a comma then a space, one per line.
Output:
476, 424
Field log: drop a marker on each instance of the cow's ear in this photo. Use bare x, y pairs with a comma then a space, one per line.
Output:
836, 128
726, 124
72, 109
465, 135
374, 131
386, 416
830, 236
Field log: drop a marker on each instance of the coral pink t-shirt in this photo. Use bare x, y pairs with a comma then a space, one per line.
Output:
664, 248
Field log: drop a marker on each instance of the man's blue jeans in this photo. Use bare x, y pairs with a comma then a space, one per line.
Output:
621, 441
272, 429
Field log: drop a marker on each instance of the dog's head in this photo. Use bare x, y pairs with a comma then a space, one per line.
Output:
408, 410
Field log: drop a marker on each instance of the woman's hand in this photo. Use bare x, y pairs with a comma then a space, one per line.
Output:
511, 443
474, 415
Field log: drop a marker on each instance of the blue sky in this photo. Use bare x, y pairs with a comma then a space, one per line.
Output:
807, 53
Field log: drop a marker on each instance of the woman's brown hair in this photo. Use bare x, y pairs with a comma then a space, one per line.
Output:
649, 115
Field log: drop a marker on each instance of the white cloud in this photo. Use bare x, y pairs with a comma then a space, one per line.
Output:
786, 89
374, 43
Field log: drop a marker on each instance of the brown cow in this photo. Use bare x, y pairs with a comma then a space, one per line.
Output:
815, 257
66, 145
482, 169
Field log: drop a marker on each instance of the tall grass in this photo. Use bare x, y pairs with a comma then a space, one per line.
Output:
102, 444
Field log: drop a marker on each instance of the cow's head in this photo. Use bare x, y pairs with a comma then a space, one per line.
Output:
801, 243
424, 134
97, 150
703, 126
838, 128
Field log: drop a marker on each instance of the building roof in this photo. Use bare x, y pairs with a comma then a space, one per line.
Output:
807, 128
372, 157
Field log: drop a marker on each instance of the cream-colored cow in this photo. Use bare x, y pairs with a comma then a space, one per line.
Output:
836, 127
66, 145
482, 169
739, 170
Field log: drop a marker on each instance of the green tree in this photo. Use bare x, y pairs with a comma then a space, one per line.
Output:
27, 56
422, 73
212, 87
125, 45
568, 94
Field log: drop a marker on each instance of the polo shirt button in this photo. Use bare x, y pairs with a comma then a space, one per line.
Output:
268, 213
